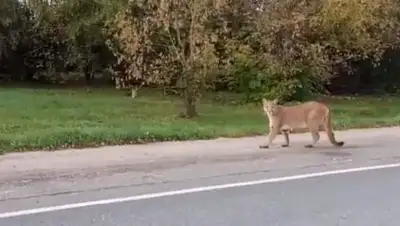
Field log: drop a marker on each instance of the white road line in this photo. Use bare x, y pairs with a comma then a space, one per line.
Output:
191, 190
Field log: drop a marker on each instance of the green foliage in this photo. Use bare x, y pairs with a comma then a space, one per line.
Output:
255, 78
256, 83
287, 49
313, 39
14, 26
55, 41
249, 81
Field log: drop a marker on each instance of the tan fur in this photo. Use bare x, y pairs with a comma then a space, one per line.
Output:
309, 115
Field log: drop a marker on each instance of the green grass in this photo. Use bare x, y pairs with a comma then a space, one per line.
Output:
51, 119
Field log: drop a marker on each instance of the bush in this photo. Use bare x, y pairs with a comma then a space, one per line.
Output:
256, 79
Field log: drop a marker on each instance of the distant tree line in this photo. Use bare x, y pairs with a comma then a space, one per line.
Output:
288, 49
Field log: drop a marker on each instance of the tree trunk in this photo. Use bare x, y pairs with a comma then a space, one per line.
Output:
189, 95
188, 76
190, 103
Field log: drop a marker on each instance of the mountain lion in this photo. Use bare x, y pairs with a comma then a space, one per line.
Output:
311, 115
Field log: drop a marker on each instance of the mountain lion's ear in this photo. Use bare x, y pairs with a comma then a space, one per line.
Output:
264, 101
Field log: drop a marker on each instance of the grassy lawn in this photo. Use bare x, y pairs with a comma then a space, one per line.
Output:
50, 119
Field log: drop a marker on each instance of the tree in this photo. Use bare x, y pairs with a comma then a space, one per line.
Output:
14, 23
67, 36
160, 39
305, 41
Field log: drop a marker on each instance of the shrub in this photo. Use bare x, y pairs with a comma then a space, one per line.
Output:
256, 78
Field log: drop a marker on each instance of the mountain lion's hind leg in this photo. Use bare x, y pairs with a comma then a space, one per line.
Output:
315, 137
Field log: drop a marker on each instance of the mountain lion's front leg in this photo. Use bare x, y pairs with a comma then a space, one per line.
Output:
271, 136
285, 134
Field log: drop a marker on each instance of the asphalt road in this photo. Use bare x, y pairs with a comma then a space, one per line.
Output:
353, 199
283, 187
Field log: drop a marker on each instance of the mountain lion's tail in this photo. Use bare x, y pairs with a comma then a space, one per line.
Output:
329, 131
